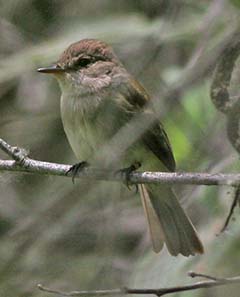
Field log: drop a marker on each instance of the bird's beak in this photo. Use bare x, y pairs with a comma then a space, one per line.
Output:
54, 69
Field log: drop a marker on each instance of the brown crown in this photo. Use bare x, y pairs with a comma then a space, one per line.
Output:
87, 48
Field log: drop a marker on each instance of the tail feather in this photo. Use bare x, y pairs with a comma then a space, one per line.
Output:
173, 226
155, 229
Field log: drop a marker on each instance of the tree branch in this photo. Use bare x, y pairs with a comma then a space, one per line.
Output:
22, 163
212, 282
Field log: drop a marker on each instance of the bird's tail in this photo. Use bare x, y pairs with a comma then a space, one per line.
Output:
168, 222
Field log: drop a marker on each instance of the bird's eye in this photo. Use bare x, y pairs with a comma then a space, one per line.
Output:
84, 62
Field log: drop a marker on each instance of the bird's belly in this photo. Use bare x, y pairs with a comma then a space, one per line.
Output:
92, 137
141, 154
79, 141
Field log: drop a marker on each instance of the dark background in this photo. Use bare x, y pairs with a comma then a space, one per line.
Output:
93, 235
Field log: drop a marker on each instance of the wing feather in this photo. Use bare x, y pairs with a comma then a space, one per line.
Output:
155, 138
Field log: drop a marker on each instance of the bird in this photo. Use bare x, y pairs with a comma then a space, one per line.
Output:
99, 99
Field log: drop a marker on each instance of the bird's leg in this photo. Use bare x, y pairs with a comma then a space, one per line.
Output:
126, 173
76, 168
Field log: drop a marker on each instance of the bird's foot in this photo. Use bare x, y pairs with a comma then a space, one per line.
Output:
76, 168
126, 173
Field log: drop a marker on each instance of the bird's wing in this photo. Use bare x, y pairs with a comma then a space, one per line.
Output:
155, 138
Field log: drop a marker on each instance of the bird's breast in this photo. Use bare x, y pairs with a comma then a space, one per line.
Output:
79, 122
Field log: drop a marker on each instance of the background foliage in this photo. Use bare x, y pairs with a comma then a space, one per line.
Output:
92, 236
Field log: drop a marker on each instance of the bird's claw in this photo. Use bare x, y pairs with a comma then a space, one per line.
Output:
76, 168
126, 173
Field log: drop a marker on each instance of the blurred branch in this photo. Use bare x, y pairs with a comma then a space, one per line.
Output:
222, 77
229, 105
133, 27
202, 61
212, 282
22, 163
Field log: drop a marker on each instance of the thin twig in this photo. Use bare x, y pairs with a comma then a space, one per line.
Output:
213, 282
28, 165
234, 204
193, 274
79, 293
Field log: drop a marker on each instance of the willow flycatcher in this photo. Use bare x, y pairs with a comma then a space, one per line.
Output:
99, 99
